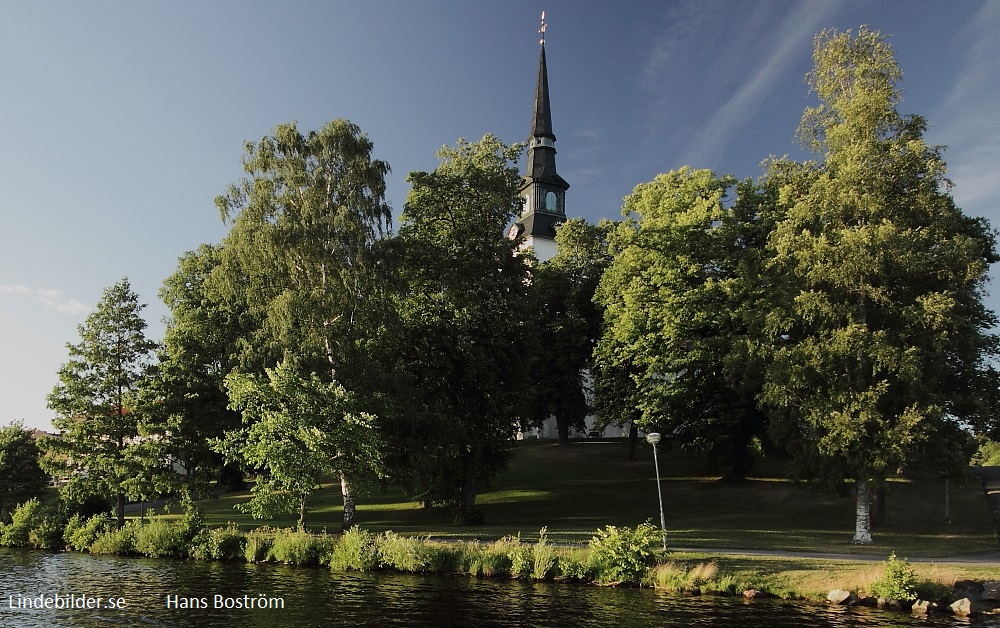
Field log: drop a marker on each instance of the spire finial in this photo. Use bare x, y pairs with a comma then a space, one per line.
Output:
542, 30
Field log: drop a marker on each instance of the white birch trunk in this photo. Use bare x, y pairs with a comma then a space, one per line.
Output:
350, 511
863, 525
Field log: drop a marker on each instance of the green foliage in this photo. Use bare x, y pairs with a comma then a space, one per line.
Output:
545, 561
300, 262
193, 521
567, 323
879, 340
258, 544
463, 301
25, 517
403, 553
988, 454
99, 450
299, 430
80, 533
23, 478
297, 547
227, 543
622, 554
899, 582
357, 550
160, 538
119, 542
681, 304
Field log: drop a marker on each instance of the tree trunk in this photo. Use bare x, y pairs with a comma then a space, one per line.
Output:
563, 428
467, 500
302, 512
947, 501
120, 509
350, 510
863, 525
633, 442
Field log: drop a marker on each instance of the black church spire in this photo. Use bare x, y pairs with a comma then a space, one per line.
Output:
543, 190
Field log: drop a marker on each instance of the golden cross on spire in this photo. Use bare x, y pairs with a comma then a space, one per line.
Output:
542, 30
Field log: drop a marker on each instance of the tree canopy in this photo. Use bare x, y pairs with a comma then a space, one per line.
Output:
99, 450
884, 339
463, 307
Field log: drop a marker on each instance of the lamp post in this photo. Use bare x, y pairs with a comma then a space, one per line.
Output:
653, 438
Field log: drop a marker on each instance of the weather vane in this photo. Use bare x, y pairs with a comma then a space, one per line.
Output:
542, 30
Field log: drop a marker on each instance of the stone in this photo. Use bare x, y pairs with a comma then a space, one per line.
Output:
891, 604
970, 589
962, 607
991, 590
841, 597
756, 594
922, 607
868, 600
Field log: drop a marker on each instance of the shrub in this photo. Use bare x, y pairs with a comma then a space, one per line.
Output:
403, 553
899, 582
158, 538
25, 517
544, 559
120, 542
297, 547
258, 545
623, 554
357, 550
494, 560
47, 529
227, 543
522, 561
81, 533
575, 564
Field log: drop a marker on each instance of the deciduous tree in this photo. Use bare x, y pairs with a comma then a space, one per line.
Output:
464, 305
883, 341
23, 478
301, 257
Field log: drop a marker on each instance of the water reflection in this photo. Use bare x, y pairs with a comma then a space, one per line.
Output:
316, 597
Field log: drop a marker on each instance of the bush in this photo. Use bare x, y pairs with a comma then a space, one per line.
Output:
544, 559
258, 545
47, 530
403, 553
158, 538
119, 542
296, 547
899, 582
81, 533
218, 544
25, 517
576, 565
357, 550
622, 554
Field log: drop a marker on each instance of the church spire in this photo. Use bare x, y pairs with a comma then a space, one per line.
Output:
543, 190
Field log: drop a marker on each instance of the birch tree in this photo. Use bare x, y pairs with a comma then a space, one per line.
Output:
301, 254
881, 336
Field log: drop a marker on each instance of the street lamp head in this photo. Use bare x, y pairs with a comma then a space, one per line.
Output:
653, 438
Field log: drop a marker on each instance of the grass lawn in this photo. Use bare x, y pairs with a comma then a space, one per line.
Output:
575, 490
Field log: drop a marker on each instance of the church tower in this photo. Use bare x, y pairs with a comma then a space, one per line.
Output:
542, 189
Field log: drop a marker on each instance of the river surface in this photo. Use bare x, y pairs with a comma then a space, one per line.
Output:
154, 593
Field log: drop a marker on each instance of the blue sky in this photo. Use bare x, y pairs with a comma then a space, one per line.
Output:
122, 121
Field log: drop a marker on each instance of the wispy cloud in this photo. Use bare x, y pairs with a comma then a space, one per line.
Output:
50, 298
789, 36
969, 126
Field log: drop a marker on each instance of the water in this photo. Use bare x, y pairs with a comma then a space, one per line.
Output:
317, 597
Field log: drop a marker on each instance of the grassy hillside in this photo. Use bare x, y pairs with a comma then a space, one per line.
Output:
575, 490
